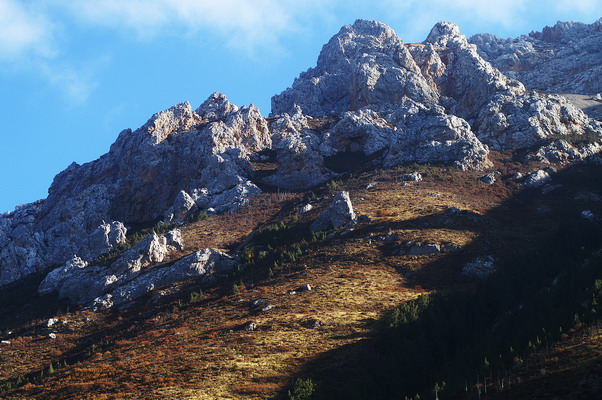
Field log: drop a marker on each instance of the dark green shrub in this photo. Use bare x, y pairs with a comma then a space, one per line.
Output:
303, 389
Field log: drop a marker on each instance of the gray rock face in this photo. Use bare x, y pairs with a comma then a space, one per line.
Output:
208, 264
364, 64
438, 102
135, 273
340, 213
22, 248
560, 151
519, 121
105, 237
81, 282
369, 96
301, 163
179, 161
564, 58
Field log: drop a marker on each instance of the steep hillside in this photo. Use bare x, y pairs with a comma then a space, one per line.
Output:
408, 221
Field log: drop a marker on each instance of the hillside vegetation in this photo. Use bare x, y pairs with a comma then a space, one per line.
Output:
374, 325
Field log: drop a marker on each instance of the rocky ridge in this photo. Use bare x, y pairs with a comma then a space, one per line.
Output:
370, 96
564, 58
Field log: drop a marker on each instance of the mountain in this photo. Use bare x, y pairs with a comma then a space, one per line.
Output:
564, 58
456, 168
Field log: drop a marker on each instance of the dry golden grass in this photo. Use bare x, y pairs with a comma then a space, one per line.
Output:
177, 349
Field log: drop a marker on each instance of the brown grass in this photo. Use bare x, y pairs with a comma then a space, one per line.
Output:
174, 349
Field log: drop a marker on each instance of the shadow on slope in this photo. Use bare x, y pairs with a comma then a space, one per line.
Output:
472, 334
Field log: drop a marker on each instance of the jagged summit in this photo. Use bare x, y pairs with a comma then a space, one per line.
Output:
365, 63
443, 33
216, 107
564, 58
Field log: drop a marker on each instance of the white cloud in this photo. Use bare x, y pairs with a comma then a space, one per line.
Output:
244, 24
23, 31
580, 6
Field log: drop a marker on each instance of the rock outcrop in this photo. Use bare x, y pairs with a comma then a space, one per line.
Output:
564, 58
182, 160
370, 98
438, 102
81, 282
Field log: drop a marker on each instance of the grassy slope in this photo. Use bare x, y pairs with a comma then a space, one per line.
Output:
171, 347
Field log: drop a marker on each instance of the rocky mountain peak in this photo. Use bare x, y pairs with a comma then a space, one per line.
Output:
177, 118
564, 58
444, 33
564, 32
361, 38
216, 107
365, 64
370, 98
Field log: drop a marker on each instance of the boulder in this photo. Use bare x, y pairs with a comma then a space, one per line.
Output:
339, 214
424, 249
479, 267
488, 179
537, 178
414, 176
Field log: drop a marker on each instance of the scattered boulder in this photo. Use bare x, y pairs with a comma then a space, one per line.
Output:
414, 176
537, 178
306, 208
259, 302
339, 214
479, 267
587, 214
489, 179
304, 288
313, 324
249, 326
412, 248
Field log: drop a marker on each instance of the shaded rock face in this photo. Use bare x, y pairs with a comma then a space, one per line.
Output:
564, 58
180, 160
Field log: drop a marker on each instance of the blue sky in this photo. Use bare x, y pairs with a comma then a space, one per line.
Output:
74, 73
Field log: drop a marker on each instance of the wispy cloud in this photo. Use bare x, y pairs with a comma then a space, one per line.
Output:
241, 24
29, 44
24, 31
581, 6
